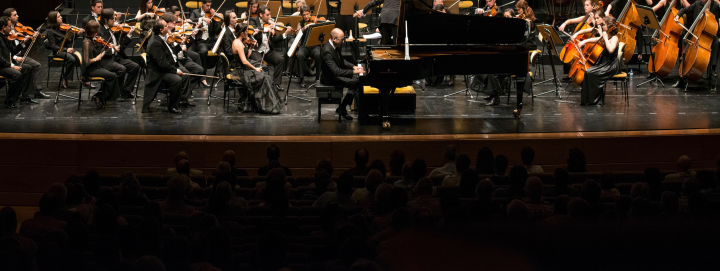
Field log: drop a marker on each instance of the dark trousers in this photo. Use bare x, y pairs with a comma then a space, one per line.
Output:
202, 47
189, 66
195, 57
130, 72
70, 62
17, 80
389, 33
174, 83
303, 53
36, 72
111, 86
274, 58
353, 86
345, 23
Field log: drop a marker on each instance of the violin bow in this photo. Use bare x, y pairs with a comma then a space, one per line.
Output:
124, 19
76, 21
31, 44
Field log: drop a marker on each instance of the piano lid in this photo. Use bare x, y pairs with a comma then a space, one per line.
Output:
426, 26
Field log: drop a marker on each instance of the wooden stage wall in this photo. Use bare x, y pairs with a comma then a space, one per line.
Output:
30, 163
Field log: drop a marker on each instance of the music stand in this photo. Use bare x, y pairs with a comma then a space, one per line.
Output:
290, 21
316, 35
649, 20
274, 7
551, 37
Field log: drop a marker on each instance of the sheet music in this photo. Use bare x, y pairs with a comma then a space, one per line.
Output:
294, 46
372, 36
220, 38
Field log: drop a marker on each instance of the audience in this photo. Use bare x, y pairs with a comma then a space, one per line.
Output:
537, 208
379, 165
182, 166
366, 196
562, 180
397, 160
407, 176
683, 171
343, 195
449, 168
501, 165
485, 162
130, 193
326, 166
462, 163
321, 182
607, 183
518, 177
362, 156
175, 202
229, 157
576, 161
468, 182
273, 156
424, 198
528, 156
44, 221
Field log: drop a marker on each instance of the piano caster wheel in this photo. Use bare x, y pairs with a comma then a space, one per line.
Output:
516, 113
386, 125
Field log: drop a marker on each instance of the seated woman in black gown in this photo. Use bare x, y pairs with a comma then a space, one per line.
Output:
55, 38
249, 73
92, 54
606, 66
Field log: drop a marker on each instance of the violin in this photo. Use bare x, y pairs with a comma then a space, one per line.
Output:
249, 42
319, 19
28, 31
103, 43
214, 16
490, 11
71, 28
125, 28
179, 38
521, 16
278, 26
251, 30
120, 13
16, 36
155, 10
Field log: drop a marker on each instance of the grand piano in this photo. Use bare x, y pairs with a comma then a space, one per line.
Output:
445, 44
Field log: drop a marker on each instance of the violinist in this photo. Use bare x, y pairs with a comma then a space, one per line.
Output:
388, 18
96, 7
509, 13
93, 52
55, 38
20, 76
248, 71
693, 11
270, 44
524, 11
252, 11
441, 8
299, 5
589, 6
14, 17
489, 10
146, 16
606, 66
115, 60
303, 52
163, 67
190, 38
226, 46
186, 64
205, 40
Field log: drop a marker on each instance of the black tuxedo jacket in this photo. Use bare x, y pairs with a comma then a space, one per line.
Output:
390, 10
160, 61
87, 19
7, 48
333, 65
226, 46
105, 35
55, 38
214, 27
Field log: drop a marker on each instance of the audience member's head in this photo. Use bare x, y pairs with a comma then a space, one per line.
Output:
397, 160
591, 191
362, 156
485, 163
378, 165
669, 201
8, 220
653, 178
607, 181
224, 191
92, 182
181, 156
528, 155
450, 153
501, 165
273, 153
407, 171
419, 169
576, 161
176, 187
130, 187
382, 195
425, 187
684, 163
640, 190
183, 167
517, 211
48, 204
229, 157
462, 162
321, 180
345, 183
223, 167
373, 179
60, 192
576, 208
561, 177
534, 188
484, 190
325, 164
275, 183
518, 177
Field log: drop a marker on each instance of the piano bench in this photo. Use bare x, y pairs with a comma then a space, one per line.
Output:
328, 95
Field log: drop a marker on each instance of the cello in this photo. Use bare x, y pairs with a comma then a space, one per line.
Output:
570, 51
666, 50
697, 53
590, 56
629, 22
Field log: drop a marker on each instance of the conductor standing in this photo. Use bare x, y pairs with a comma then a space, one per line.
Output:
388, 19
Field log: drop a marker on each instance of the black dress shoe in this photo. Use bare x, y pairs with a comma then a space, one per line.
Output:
146, 110
28, 100
11, 105
204, 84
493, 101
278, 88
127, 96
488, 98
680, 84
343, 114
41, 95
174, 110
187, 104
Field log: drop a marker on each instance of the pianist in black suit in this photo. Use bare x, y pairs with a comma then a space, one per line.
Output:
338, 72
388, 18
115, 59
96, 7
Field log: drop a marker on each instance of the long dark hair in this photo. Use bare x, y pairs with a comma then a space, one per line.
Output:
249, 7
143, 6
610, 22
52, 20
527, 10
240, 28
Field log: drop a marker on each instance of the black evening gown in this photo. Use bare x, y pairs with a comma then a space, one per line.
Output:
264, 98
596, 76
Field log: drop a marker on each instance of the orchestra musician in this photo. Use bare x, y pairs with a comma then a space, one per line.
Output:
145, 17
55, 37
96, 7
524, 11
303, 52
184, 57
248, 71
226, 46
299, 4
388, 18
205, 40
115, 60
441, 8
19, 76
489, 8
194, 56
693, 11
615, 9
36, 91
252, 10
509, 13
661, 6
270, 44
93, 52
337, 71
606, 66
164, 67
588, 6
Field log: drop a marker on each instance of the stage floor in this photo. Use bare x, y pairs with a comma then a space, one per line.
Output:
651, 108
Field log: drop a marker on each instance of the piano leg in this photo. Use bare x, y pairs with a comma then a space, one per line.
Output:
385, 98
519, 88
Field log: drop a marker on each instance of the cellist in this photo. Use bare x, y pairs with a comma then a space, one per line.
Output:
694, 11
615, 8
588, 6
606, 66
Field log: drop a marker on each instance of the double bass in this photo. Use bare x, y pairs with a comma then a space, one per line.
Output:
697, 53
666, 50
629, 22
